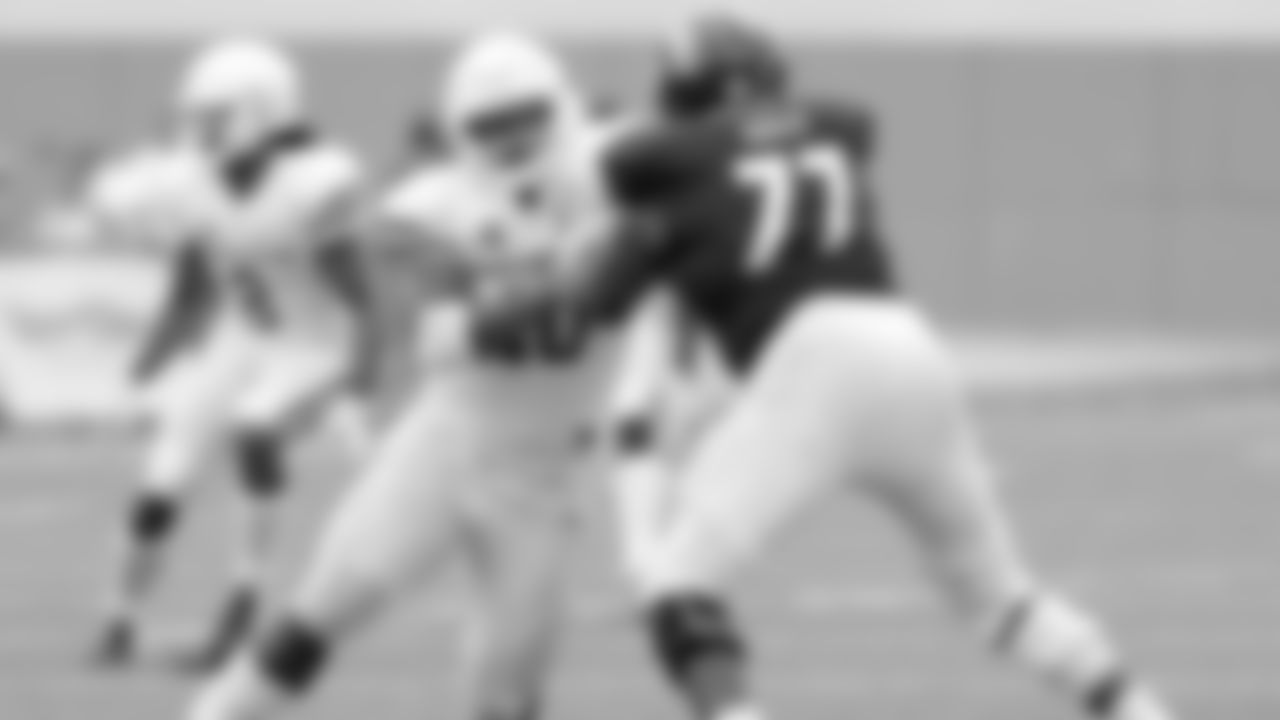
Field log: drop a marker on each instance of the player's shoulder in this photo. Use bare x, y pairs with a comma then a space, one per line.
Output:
147, 178
433, 185
324, 164
144, 169
153, 195
653, 156
429, 194
850, 120
652, 141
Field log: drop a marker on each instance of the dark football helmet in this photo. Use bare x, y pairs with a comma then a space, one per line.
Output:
716, 59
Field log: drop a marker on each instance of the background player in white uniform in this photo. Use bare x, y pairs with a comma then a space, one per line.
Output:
479, 467
766, 231
151, 201
272, 203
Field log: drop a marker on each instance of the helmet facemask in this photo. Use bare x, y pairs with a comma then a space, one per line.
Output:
237, 97
515, 136
227, 132
509, 105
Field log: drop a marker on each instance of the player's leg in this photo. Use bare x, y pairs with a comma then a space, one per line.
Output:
397, 523
519, 563
190, 412
923, 462
288, 389
630, 435
655, 416
641, 479
761, 463
953, 514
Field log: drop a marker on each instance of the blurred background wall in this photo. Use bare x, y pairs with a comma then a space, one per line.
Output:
1051, 183
1046, 162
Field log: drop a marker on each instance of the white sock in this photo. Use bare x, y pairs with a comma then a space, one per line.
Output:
1058, 642
743, 712
239, 693
641, 492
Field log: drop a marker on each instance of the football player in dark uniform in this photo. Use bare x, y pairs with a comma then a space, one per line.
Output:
762, 219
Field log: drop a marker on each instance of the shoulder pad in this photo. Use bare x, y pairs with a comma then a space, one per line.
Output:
648, 160
325, 170
427, 198
158, 196
133, 179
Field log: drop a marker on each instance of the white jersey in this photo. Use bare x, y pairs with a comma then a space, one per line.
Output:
265, 239
506, 235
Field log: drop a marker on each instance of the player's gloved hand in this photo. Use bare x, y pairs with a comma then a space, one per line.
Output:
507, 334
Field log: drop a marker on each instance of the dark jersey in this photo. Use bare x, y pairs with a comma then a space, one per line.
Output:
754, 215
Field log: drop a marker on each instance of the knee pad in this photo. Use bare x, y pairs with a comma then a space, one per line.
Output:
1059, 642
689, 629
260, 458
153, 517
293, 655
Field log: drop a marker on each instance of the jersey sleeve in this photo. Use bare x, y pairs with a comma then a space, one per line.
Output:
414, 223
333, 188
117, 192
413, 202
141, 201
645, 167
644, 173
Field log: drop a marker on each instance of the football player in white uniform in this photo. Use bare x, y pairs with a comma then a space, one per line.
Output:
271, 206
479, 467
149, 201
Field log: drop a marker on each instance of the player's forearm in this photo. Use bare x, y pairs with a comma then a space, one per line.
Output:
346, 274
183, 313
349, 275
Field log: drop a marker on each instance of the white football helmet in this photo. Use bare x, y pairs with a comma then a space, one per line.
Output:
237, 93
509, 101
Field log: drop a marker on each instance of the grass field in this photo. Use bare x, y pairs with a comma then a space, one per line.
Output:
1163, 514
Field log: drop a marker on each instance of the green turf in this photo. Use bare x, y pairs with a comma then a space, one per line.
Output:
1162, 516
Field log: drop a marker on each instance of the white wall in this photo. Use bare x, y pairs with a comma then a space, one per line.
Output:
1016, 20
